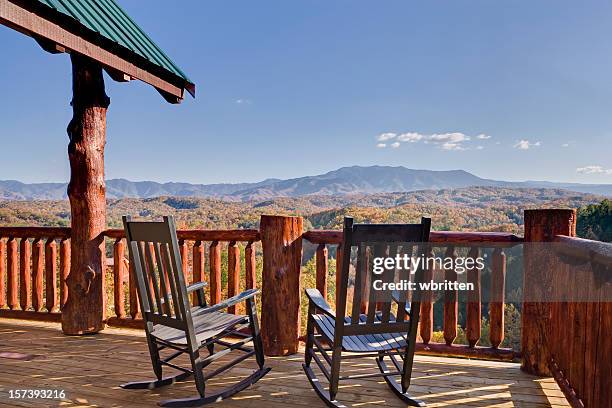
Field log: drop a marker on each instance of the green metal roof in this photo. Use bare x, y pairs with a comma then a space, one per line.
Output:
106, 18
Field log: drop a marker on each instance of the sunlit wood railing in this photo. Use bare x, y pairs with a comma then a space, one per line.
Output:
195, 246
30, 285
450, 241
581, 325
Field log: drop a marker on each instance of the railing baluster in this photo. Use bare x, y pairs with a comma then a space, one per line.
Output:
119, 277
250, 266
473, 307
339, 251
134, 305
2, 273
426, 315
215, 272
184, 251
198, 267
12, 279
496, 306
64, 270
321, 271
233, 272
450, 301
38, 267
51, 275
25, 288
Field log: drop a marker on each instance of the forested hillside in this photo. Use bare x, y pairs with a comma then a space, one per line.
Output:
474, 208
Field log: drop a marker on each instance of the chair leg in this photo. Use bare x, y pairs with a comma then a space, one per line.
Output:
334, 377
254, 323
155, 358
309, 337
198, 375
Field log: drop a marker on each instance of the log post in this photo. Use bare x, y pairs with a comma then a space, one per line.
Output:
198, 267
233, 273
119, 277
25, 277
51, 275
2, 274
38, 267
473, 307
281, 239
497, 295
451, 309
540, 226
250, 266
85, 309
214, 263
322, 269
12, 279
64, 270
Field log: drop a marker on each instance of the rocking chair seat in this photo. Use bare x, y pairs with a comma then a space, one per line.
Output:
361, 343
205, 324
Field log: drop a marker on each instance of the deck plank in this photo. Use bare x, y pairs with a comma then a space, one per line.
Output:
90, 369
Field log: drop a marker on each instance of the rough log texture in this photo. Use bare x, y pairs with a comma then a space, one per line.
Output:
215, 272
473, 306
25, 281
233, 273
119, 277
38, 266
250, 265
281, 238
51, 275
64, 270
497, 293
2, 274
84, 311
198, 267
426, 315
450, 302
540, 226
322, 268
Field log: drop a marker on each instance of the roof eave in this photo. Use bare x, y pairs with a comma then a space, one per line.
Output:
54, 37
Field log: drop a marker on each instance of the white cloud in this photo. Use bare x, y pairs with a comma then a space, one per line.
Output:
565, 145
526, 144
383, 137
593, 170
444, 141
410, 137
243, 101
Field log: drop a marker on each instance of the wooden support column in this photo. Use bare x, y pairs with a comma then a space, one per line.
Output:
281, 239
540, 226
85, 308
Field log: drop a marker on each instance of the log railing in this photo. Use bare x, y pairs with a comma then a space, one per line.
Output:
450, 242
580, 338
33, 271
195, 247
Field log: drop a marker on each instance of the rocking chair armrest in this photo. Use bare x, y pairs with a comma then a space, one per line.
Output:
316, 298
246, 295
196, 286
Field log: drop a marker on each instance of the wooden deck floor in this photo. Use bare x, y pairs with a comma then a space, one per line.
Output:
91, 368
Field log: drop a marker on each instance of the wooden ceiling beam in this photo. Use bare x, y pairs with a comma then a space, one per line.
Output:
37, 27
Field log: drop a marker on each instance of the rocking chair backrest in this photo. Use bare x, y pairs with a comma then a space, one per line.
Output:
159, 275
374, 241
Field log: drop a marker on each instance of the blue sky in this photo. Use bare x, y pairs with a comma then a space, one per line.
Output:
293, 88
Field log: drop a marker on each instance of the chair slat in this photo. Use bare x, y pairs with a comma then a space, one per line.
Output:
163, 280
173, 284
153, 276
360, 282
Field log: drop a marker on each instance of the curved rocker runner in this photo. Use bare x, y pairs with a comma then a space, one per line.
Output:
174, 326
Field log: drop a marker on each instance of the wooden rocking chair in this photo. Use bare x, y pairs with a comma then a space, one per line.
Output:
172, 324
371, 329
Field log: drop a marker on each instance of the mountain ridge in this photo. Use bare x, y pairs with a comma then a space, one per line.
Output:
345, 180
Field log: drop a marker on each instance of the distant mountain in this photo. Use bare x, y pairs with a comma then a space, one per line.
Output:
346, 180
